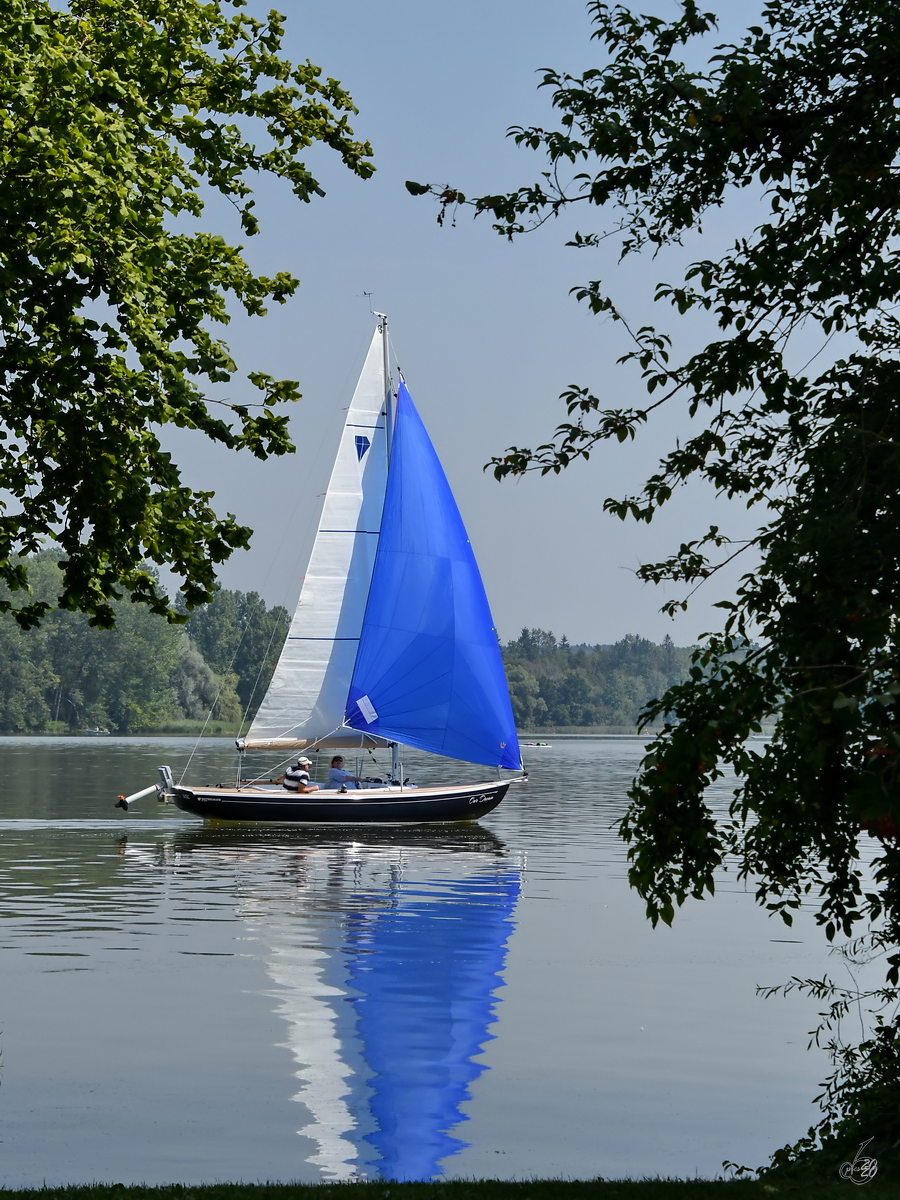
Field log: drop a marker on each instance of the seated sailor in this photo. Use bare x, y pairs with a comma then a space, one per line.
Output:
339, 778
296, 779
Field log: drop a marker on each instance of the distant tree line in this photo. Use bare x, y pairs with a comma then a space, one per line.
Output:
145, 674
553, 683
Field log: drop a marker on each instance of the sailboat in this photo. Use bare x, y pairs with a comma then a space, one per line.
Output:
392, 642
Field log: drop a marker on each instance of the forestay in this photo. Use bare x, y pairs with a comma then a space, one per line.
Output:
429, 672
307, 696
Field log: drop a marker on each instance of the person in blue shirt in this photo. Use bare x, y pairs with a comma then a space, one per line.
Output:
338, 777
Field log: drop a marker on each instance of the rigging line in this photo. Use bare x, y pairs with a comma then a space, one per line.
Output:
258, 778
208, 719
262, 666
213, 707
288, 525
396, 357
319, 511
222, 688
328, 433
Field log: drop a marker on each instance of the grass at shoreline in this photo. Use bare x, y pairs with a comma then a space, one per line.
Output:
485, 1189
188, 729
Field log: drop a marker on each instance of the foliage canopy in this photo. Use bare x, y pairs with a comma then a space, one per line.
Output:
115, 116
804, 112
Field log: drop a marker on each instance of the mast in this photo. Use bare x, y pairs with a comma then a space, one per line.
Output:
388, 397
396, 773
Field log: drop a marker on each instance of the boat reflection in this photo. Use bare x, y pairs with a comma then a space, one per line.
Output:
385, 953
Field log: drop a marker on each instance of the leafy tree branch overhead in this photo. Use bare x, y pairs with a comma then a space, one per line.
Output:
804, 111
114, 115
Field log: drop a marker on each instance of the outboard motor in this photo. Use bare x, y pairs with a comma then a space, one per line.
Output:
166, 784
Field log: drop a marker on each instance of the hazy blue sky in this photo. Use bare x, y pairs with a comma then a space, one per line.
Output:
486, 332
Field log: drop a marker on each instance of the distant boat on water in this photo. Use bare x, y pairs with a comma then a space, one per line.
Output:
95, 733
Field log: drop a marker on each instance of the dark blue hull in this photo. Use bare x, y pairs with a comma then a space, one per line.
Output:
391, 806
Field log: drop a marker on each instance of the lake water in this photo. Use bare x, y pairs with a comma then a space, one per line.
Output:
181, 1002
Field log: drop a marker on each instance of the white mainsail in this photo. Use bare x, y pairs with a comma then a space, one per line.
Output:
306, 699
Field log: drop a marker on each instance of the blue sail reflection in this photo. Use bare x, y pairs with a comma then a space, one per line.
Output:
425, 970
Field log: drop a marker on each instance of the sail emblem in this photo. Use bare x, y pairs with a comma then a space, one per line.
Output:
367, 708
362, 445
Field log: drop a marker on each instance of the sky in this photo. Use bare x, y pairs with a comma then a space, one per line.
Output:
486, 332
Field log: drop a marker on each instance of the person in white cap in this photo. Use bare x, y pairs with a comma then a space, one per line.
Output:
296, 779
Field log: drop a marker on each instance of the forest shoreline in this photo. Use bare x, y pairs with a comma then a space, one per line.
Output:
207, 672
196, 729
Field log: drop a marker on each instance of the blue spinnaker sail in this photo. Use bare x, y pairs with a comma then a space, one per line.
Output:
428, 671
425, 973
